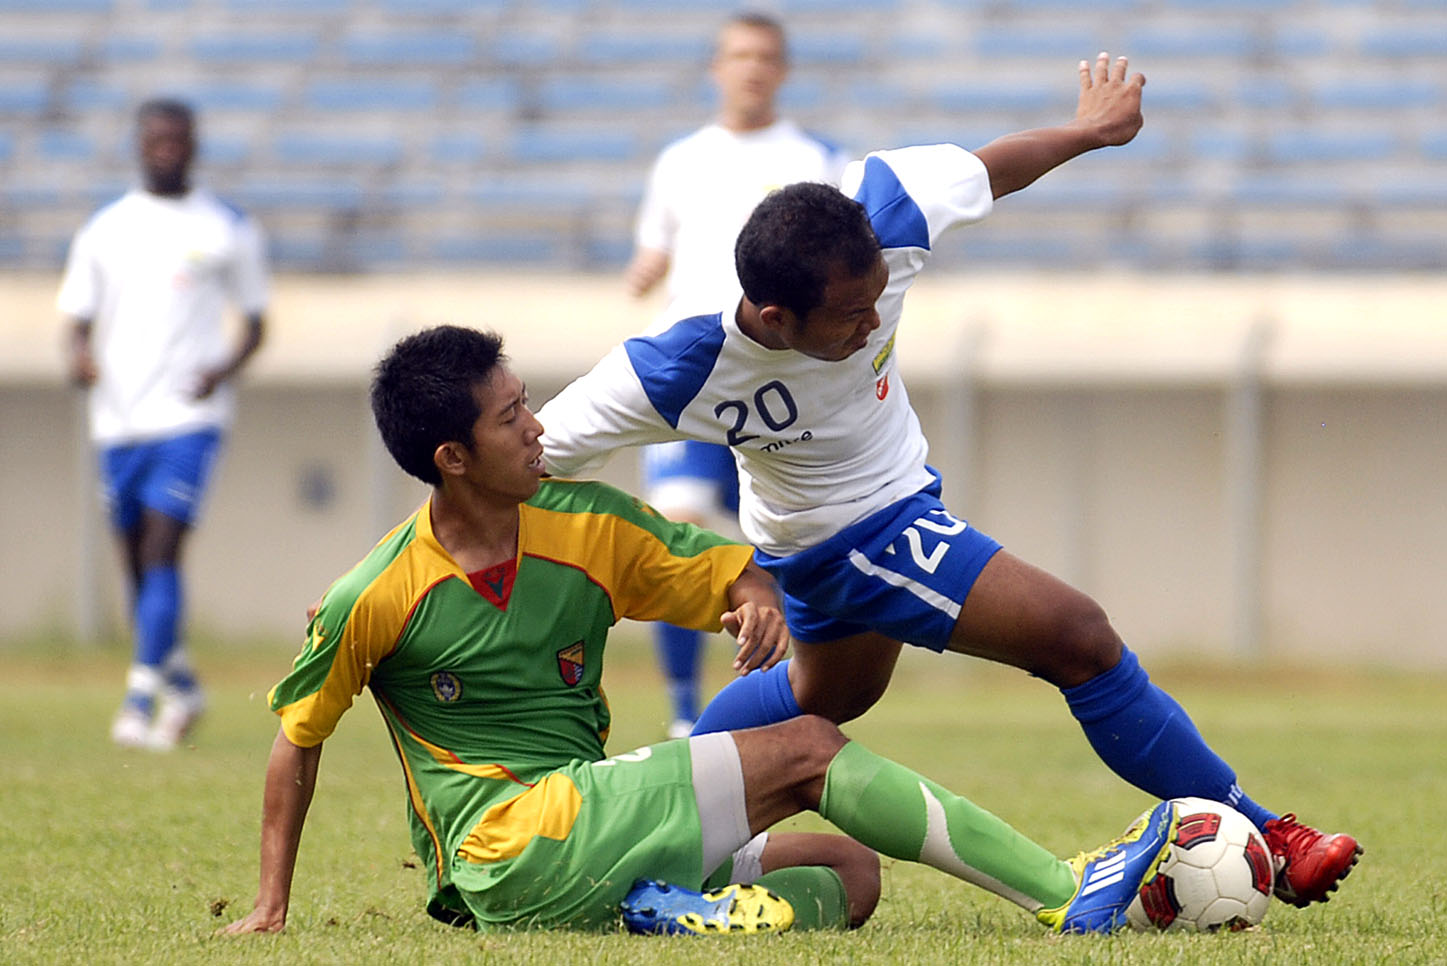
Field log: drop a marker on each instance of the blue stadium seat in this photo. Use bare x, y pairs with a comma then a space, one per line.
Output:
315, 148
371, 94
1222, 143
7, 146
413, 194
56, 6
614, 47
457, 147
1433, 145
61, 145
817, 48
492, 94
257, 97
971, 97
83, 97
299, 7
1315, 144
40, 50
1231, 43
1271, 94
26, 97
1045, 41
519, 48
221, 149
1364, 252
1394, 43
602, 93
416, 48
129, 48
533, 145
516, 195
512, 248
1377, 94
323, 194
437, 8
239, 47
1282, 189
1224, 253
21, 195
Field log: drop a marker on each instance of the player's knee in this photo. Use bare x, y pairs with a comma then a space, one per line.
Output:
1085, 643
810, 743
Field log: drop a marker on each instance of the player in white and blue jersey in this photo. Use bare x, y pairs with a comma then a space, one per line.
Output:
799, 378
147, 285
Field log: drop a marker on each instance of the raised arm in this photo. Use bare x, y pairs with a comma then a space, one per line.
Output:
1108, 113
291, 777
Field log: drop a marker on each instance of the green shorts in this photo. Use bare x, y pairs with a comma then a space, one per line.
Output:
637, 817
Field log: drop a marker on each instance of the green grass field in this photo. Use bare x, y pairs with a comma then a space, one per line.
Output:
139, 858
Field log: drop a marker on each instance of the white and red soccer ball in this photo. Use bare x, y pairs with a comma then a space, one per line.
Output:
1217, 874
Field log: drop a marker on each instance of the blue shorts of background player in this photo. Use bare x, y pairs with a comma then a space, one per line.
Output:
153, 491
697, 483
168, 475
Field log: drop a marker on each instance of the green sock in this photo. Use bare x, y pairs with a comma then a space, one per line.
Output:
815, 891
897, 812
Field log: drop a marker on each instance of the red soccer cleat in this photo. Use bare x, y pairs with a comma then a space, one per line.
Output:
1309, 864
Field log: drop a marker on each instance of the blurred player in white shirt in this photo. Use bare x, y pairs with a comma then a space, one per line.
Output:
147, 285
699, 194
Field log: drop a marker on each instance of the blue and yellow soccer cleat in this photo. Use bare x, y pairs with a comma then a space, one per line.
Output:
1108, 878
662, 909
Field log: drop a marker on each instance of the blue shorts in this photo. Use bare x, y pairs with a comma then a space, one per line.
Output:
903, 571
167, 475
707, 465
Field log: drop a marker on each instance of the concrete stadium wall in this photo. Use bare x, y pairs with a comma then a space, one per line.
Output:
1228, 465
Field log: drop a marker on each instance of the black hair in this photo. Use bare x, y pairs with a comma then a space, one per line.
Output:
168, 107
796, 239
422, 393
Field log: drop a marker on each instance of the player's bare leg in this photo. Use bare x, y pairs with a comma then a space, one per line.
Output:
1018, 614
842, 679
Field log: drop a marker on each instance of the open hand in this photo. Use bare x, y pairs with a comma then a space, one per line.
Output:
1109, 105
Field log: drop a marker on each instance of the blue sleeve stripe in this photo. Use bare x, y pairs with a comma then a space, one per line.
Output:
896, 218
674, 365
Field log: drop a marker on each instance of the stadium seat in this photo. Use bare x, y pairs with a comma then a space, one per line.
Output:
1378, 95
365, 94
1316, 144
627, 48
231, 47
220, 95
537, 144
515, 48
129, 49
1434, 145
498, 248
1039, 42
602, 93
40, 50
457, 147
89, 97
1220, 43
56, 6
1396, 43
64, 146
322, 194
308, 148
415, 48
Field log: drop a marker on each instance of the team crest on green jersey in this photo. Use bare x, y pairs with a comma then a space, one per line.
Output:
446, 686
570, 663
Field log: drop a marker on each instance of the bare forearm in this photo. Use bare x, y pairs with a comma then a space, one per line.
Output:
1017, 160
291, 774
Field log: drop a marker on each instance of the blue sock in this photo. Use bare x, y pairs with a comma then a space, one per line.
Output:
754, 700
678, 649
1149, 740
158, 612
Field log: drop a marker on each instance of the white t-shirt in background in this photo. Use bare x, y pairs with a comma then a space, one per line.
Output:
155, 275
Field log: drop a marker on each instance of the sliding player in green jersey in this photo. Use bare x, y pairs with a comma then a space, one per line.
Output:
479, 624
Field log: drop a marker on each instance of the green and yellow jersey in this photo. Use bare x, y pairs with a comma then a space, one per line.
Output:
488, 682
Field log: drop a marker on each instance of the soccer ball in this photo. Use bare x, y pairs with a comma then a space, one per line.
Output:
1217, 873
